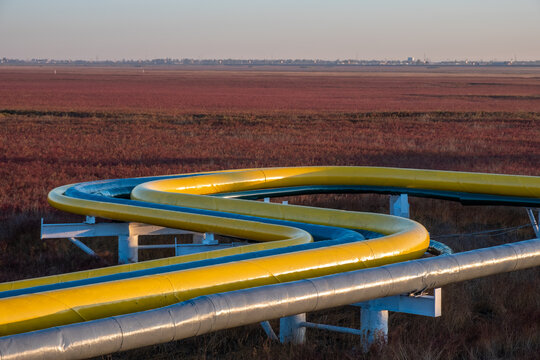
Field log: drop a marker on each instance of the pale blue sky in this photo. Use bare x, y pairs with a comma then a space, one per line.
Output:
338, 29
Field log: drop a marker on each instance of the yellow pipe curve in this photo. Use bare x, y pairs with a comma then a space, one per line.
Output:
404, 240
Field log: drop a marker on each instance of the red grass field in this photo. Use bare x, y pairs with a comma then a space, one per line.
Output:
82, 124
182, 91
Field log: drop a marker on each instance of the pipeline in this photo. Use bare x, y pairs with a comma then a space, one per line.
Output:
211, 202
220, 311
404, 240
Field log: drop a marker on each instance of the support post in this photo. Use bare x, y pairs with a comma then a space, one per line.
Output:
374, 323
292, 330
374, 327
204, 239
128, 247
399, 205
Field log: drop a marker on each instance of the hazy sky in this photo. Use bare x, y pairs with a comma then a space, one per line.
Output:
332, 29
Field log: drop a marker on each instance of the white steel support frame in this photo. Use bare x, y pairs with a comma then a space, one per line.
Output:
128, 248
374, 313
128, 237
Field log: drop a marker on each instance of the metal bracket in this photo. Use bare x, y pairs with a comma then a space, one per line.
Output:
83, 247
535, 223
268, 330
414, 303
374, 317
419, 293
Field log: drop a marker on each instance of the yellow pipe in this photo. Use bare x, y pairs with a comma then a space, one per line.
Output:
475, 183
432, 179
57, 307
273, 236
405, 238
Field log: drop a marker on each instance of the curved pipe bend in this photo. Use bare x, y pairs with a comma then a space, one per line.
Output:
404, 239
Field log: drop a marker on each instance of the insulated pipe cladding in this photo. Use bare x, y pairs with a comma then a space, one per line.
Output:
214, 312
306, 258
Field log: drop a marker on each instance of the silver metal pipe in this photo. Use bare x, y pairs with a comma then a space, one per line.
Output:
209, 313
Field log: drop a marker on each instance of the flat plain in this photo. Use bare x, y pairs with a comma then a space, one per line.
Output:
162, 90
69, 124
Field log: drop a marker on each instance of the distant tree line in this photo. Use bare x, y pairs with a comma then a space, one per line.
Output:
262, 62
